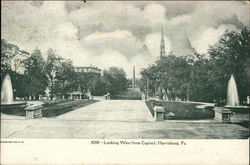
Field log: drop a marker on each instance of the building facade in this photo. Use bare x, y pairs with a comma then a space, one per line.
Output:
89, 75
89, 69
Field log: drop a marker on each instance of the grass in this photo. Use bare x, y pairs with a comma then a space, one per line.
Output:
61, 108
48, 103
150, 107
183, 111
51, 108
14, 110
241, 119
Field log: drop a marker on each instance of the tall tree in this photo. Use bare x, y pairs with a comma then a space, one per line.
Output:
11, 63
170, 74
64, 77
115, 79
230, 56
201, 85
8, 51
35, 74
52, 67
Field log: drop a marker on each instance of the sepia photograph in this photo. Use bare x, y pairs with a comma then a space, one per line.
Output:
125, 70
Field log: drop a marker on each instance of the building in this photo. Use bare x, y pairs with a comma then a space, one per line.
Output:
161, 91
89, 69
91, 74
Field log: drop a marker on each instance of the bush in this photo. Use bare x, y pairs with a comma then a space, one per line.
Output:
186, 110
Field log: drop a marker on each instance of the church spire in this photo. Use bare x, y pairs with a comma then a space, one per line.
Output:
162, 44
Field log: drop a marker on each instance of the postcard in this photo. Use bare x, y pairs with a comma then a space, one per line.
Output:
125, 82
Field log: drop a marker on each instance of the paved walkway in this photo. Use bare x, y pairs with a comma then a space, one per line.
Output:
111, 110
117, 119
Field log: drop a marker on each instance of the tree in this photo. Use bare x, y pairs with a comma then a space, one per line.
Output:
81, 82
8, 51
230, 56
150, 74
99, 88
170, 74
61, 75
11, 63
11, 58
201, 85
65, 76
35, 75
115, 79
174, 75
204, 77
52, 67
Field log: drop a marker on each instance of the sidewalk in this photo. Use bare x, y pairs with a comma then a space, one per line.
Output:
125, 119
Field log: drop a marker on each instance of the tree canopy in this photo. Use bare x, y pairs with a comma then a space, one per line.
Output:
204, 77
115, 79
55, 75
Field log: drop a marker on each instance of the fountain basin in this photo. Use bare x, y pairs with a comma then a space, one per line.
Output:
15, 108
13, 105
8, 105
239, 108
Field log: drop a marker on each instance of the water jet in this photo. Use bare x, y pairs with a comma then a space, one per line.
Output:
233, 98
8, 105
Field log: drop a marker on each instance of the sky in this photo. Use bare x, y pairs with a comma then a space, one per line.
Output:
121, 34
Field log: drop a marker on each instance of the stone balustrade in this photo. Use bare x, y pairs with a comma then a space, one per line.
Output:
159, 113
33, 112
107, 96
222, 114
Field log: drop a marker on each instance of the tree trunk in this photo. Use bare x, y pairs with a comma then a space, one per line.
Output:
36, 97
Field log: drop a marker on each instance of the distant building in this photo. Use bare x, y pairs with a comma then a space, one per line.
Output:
161, 91
89, 69
94, 75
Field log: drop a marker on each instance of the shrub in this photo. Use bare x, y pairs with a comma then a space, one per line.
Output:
186, 110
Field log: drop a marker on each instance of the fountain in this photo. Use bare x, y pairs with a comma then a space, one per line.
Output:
223, 114
232, 96
232, 93
7, 102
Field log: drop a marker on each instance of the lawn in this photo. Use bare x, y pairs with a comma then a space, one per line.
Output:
51, 110
183, 110
241, 119
49, 103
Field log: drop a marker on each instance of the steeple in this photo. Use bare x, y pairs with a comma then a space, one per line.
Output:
162, 44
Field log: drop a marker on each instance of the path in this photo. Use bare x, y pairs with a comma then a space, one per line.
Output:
111, 110
130, 94
117, 119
